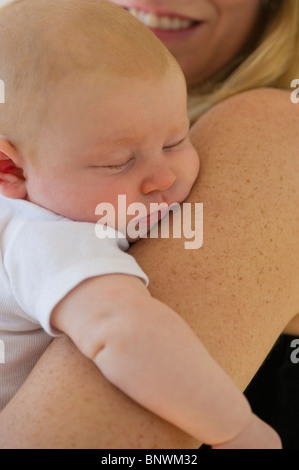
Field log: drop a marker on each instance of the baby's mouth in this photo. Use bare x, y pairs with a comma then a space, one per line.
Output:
151, 219
162, 22
154, 217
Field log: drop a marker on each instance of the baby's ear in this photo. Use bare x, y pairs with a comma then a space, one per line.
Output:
12, 181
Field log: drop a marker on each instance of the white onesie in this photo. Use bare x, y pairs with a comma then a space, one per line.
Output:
43, 257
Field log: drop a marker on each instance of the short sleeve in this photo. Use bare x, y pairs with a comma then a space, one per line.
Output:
46, 259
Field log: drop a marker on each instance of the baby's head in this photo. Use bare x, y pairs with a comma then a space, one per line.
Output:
95, 107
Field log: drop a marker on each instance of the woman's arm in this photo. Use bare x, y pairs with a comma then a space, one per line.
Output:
67, 403
142, 346
238, 292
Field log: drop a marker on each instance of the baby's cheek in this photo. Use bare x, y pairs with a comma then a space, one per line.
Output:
192, 166
196, 164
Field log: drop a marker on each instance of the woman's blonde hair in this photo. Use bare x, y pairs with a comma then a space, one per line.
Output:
272, 62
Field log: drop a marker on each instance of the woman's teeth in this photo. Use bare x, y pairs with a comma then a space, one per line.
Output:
160, 22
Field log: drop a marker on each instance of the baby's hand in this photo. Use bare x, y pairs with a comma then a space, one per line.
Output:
256, 435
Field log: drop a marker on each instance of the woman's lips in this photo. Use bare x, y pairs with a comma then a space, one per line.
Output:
162, 20
165, 25
175, 35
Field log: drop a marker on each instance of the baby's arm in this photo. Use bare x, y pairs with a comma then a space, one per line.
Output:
145, 349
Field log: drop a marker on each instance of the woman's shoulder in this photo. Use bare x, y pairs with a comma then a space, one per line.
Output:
249, 148
264, 100
274, 105
264, 120
265, 96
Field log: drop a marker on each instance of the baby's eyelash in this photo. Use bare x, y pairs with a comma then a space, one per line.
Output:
114, 167
175, 144
118, 167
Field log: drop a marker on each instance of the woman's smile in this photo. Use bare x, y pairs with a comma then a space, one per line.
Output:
167, 26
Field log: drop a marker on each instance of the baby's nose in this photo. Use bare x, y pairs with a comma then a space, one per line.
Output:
161, 179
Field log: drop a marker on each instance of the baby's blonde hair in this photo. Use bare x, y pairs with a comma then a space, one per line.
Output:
43, 42
272, 62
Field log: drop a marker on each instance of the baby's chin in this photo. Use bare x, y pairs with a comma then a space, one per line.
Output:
188, 190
